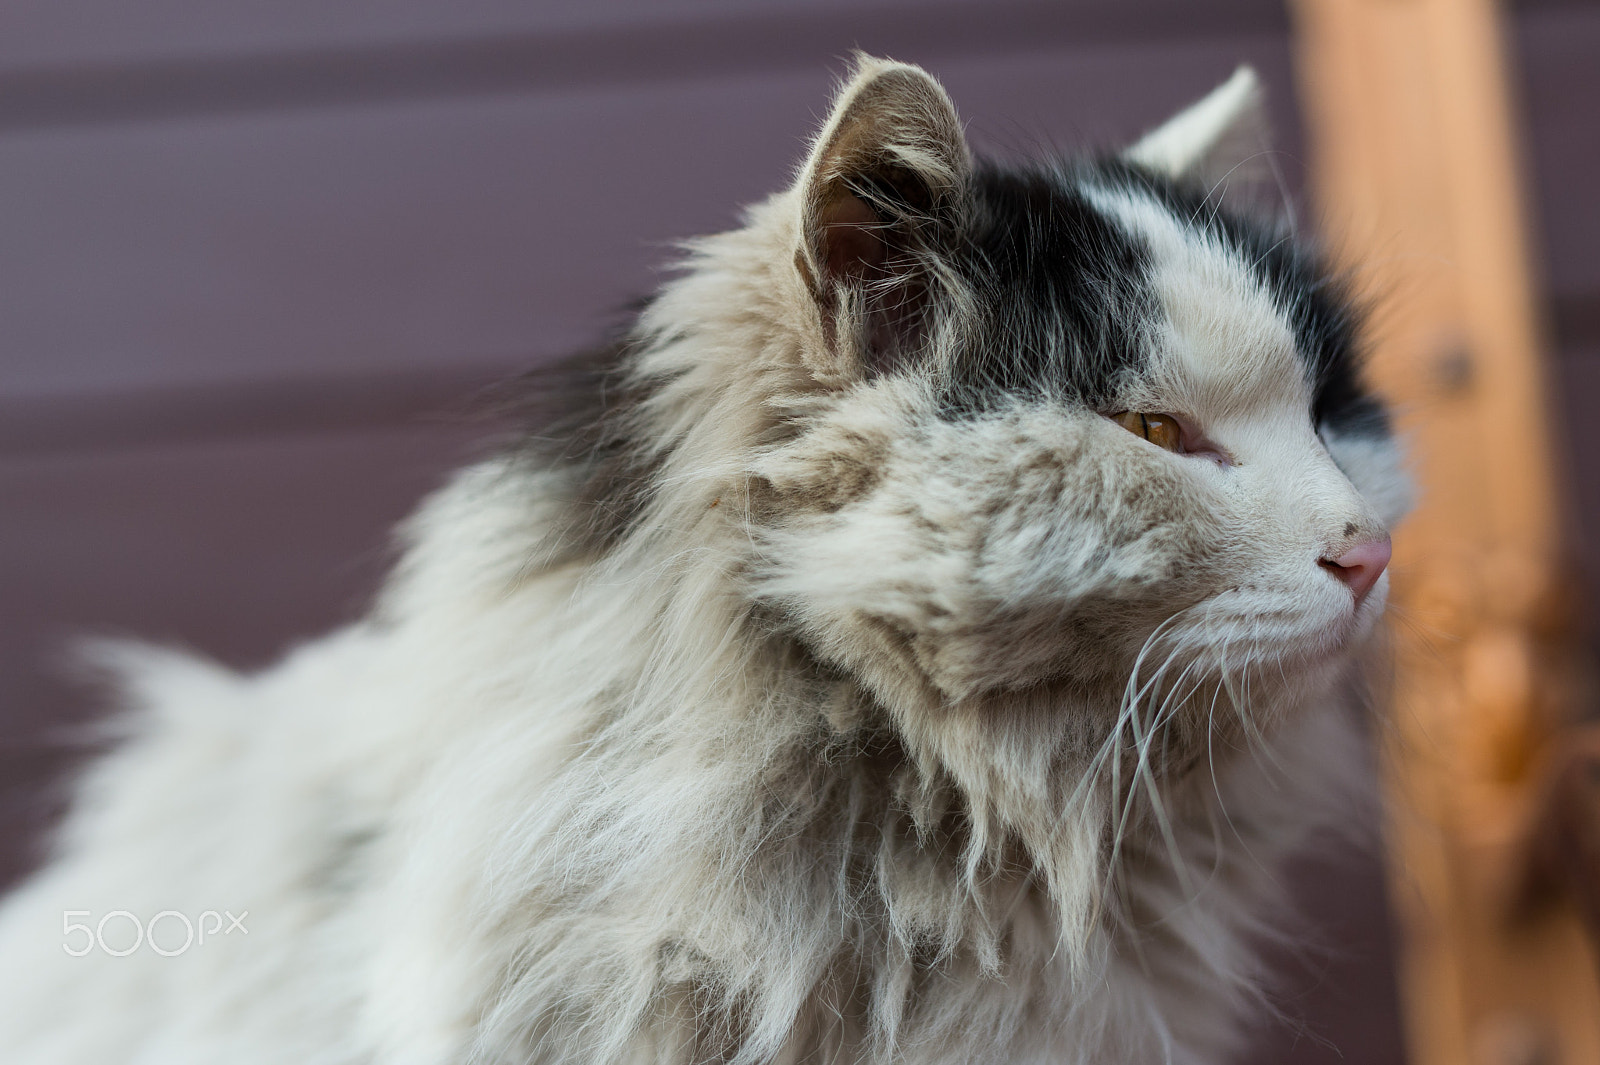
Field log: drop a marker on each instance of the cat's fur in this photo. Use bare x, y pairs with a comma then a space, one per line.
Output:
840, 685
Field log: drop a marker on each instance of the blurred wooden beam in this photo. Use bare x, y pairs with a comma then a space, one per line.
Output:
1415, 169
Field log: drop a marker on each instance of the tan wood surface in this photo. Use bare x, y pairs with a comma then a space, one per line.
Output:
1416, 178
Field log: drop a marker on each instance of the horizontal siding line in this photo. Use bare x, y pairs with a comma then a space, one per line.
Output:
1536, 7
32, 99
74, 424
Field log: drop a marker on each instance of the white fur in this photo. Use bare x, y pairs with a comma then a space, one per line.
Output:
880, 736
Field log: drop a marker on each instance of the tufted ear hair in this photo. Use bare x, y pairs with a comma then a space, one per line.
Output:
1219, 139
882, 198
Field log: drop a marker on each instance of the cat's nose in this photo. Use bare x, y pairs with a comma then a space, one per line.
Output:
1361, 566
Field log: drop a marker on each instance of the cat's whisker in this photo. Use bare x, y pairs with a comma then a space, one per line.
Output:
1175, 697
1135, 695
1142, 773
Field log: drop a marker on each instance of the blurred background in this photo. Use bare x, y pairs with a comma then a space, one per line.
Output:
257, 259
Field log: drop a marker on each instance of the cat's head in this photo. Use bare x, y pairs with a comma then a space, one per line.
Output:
1066, 429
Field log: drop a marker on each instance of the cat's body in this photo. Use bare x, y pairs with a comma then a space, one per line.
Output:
851, 690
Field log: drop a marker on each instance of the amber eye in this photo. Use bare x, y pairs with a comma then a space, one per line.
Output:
1160, 429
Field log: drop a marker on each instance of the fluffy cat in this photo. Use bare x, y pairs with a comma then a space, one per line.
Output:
922, 645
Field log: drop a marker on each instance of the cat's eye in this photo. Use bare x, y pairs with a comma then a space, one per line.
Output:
1166, 431
1162, 430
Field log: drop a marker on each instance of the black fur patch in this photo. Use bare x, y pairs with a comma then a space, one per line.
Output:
1316, 303
1063, 293
1065, 297
580, 415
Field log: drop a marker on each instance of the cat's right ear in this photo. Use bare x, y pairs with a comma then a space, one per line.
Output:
882, 197
1223, 135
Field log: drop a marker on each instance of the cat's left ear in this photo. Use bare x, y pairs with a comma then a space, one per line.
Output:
881, 199
1218, 140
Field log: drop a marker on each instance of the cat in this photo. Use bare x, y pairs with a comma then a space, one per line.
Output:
921, 640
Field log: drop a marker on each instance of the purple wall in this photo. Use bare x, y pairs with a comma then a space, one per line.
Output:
254, 263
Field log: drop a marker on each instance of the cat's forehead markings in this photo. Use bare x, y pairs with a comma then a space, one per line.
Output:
1221, 341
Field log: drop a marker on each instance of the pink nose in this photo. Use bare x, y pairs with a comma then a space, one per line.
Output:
1361, 566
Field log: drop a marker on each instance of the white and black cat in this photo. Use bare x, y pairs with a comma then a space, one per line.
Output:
921, 645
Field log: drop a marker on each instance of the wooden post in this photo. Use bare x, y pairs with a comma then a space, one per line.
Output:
1415, 170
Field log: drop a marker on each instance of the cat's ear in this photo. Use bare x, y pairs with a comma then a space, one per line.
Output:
881, 200
1222, 138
